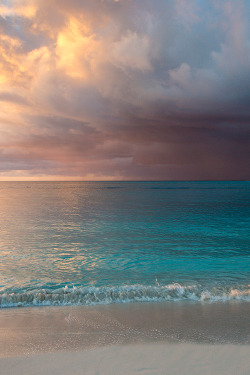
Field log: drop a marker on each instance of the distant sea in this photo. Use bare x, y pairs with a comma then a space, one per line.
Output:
87, 243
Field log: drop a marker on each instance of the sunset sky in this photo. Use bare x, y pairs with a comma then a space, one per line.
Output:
124, 89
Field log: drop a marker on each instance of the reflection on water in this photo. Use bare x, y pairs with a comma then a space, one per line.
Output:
103, 233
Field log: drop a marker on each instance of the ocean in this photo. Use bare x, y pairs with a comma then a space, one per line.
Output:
89, 243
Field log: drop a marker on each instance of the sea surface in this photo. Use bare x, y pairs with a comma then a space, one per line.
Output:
87, 243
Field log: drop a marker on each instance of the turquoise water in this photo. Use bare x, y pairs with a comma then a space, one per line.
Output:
103, 242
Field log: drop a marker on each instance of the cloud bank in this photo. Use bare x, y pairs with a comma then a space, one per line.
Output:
125, 89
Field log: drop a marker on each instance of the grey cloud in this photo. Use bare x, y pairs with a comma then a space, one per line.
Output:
6, 96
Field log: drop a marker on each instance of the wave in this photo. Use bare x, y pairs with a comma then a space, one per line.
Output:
121, 294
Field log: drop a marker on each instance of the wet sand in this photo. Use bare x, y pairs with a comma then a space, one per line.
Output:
144, 338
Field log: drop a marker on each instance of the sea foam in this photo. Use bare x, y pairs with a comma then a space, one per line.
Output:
121, 294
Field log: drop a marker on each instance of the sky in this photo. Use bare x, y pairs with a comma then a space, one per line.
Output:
124, 90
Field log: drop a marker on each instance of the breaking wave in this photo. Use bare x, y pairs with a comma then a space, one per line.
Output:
121, 294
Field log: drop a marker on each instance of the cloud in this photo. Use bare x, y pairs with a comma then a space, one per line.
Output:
132, 52
111, 89
13, 98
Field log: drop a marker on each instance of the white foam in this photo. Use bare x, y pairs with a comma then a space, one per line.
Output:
121, 294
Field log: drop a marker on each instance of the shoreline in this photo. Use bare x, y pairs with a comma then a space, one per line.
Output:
27, 331
104, 295
127, 339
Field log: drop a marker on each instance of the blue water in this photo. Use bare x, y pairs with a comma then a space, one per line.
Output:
103, 242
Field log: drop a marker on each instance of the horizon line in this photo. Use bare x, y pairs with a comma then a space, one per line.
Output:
185, 180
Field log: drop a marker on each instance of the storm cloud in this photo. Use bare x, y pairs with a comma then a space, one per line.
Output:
125, 89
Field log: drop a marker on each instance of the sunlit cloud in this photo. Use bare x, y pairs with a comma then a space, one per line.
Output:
75, 48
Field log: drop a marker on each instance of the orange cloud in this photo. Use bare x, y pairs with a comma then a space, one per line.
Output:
11, 67
75, 48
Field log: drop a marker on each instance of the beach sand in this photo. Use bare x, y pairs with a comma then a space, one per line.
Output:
141, 359
139, 338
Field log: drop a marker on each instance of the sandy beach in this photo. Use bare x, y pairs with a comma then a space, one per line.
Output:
144, 359
139, 338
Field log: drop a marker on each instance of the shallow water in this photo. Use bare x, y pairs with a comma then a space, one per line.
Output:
103, 242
